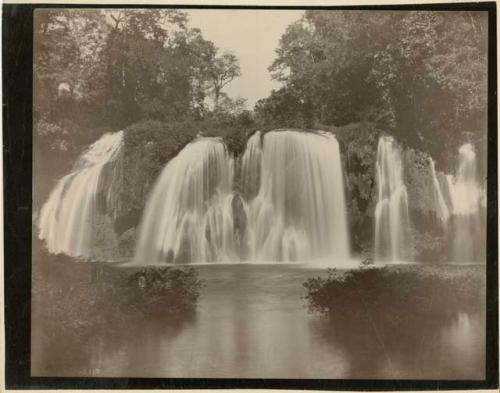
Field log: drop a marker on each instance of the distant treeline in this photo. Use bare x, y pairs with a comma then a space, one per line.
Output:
421, 76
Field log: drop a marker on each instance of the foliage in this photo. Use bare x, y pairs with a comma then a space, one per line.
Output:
379, 313
67, 44
401, 316
151, 290
222, 71
81, 298
52, 137
418, 75
108, 69
389, 292
283, 108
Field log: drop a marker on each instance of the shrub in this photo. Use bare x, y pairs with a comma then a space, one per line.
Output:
405, 318
163, 290
79, 298
398, 296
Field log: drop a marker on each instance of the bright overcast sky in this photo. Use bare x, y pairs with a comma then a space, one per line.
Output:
253, 35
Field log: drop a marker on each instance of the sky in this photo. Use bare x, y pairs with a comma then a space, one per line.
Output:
253, 35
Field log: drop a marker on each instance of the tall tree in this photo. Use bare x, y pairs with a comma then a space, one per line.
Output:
223, 70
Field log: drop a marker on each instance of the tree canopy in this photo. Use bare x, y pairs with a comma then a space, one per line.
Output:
419, 75
111, 68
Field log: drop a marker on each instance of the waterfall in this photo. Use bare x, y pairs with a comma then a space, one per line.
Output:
391, 211
465, 195
465, 192
291, 206
188, 217
282, 200
442, 210
251, 164
68, 218
298, 212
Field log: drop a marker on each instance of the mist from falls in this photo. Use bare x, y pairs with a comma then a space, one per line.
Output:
391, 212
189, 217
67, 220
297, 211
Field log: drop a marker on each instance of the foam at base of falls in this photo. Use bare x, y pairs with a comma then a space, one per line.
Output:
68, 219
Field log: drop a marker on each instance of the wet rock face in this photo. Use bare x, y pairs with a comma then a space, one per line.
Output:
418, 181
240, 225
126, 243
127, 220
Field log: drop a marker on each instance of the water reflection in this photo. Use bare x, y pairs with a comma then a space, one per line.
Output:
252, 323
443, 350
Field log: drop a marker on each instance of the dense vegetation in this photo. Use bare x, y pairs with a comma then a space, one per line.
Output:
97, 71
400, 317
404, 301
112, 68
74, 301
395, 292
420, 76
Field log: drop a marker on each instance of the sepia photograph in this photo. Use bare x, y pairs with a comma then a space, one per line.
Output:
257, 193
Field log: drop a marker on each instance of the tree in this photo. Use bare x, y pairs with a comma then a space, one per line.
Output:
228, 108
107, 69
67, 46
139, 60
222, 71
419, 75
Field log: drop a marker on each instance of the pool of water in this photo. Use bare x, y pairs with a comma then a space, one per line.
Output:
251, 322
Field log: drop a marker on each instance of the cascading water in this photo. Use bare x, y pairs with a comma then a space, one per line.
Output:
391, 212
288, 203
464, 189
251, 164
465, 195
291, 206
188, 217
67, 220
298, 212
442, 210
